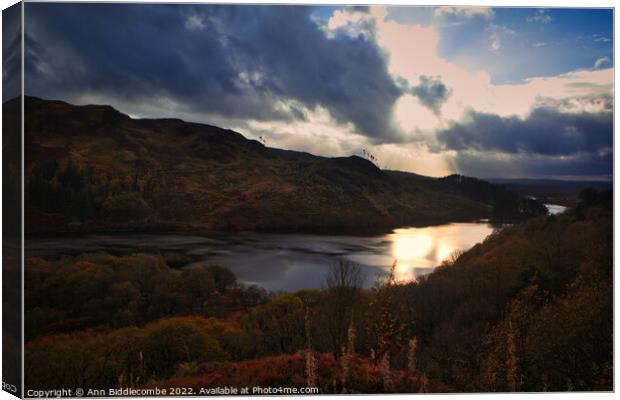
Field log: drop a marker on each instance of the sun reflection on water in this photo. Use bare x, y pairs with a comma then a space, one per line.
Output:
417, 251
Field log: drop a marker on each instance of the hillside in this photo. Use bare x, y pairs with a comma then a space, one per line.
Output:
91, 168
560, 192
529, 309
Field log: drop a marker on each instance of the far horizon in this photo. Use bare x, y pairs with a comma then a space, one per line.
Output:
428, 90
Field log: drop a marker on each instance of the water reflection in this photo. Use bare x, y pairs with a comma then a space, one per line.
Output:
417, 251
290, 262
555, 209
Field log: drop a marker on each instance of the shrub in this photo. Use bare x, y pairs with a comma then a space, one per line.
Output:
126, 207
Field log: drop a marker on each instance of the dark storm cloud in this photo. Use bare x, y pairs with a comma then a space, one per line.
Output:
547, 143
236, 62
11, 52
431, 92
545, 131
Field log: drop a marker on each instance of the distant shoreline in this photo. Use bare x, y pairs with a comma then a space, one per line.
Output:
318, 231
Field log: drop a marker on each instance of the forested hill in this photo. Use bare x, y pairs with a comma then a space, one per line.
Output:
91, 168
529, 309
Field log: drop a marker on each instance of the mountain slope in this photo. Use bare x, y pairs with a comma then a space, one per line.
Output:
565, 193
91, 168
528, 309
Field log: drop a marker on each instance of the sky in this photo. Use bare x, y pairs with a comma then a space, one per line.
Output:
486, 92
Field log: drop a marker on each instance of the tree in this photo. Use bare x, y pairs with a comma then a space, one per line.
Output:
198, 285
344, 275
222, 277
343, 282
126, 207
169, 343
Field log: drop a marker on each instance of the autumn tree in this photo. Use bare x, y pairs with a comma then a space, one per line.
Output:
343, 284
